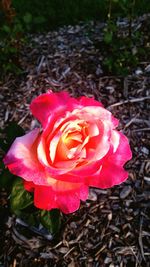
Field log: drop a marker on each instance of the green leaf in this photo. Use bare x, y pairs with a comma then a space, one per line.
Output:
12, 131
51, 220
27, 18
29, 215
39, 20
2, 166
3, 144
6, 179
6, 29
9, 134
20, 198
108, 37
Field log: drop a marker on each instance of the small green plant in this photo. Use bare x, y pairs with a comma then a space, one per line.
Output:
120, 49
10, 33
12, 38
11, 42
121, 54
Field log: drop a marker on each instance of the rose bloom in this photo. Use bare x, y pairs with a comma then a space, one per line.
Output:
78, 147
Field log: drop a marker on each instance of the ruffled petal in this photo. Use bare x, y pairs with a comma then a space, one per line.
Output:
29, 186
123, 152
68, 204
45, 198
22, 160
68, 201
85, 101
108, 176
47, 104
111, 171
114, 140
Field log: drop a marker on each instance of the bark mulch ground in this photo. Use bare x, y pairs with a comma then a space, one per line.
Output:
112, 227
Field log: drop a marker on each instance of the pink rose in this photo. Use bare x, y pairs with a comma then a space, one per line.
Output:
77, 148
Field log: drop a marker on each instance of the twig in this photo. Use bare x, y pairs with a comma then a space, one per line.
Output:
14, 263
64, 74
69, 252
40, 64
148, 180
6, 115
100, 250
125, 87
141, 130
140, 239
129, 101
131, 121
23, 118
142, 121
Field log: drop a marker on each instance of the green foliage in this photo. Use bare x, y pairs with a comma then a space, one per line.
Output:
21, 203
10, 45
52, 14
6, 178
8, 135
121, 52
55, 13
51, 220
20, 198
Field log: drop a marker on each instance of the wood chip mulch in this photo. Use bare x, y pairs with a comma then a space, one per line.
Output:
112, 228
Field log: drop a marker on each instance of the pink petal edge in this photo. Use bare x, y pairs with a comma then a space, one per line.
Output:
46, 198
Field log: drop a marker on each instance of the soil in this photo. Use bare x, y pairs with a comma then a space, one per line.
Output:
112, 228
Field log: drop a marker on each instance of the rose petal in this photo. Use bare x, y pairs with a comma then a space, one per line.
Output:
102, 114
29, 186
108, 176
84, 101
53, 146
21, 158
47, 104
123, 152
98, 146
115, 139
93, 130
41, 152
111, 171
69, 201
45, 198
